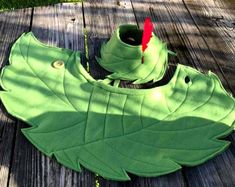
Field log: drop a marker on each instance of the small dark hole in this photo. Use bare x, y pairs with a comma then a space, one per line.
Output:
187, 79
73, 19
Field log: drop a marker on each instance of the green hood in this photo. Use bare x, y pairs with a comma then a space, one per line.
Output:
124, 59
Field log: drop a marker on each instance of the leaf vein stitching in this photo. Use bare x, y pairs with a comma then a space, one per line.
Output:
145, 130
179, 149
141, 108
65, 93
37, 75
172, 113
87, 113
105, 117
116, 150
57, 130
100, 160
123, 108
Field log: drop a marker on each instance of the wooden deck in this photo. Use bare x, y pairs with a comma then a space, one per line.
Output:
202, 32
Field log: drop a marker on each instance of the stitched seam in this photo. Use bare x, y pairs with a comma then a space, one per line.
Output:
193, 128
123, 108
65, 93
105, 117
140, 115
116, 150
110, 138
87, 112
167, 148
171, 112
100, 160
57, 130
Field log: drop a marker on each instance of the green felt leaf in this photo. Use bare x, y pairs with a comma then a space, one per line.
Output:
109, 130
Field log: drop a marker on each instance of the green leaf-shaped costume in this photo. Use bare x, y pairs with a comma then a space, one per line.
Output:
111, 130
125, 60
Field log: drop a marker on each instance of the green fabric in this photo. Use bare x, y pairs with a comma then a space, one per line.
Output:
112, 130
124, 59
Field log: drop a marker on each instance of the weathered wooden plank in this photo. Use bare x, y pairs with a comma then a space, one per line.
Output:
216, 22
183, 35
7, 138
216, 172
60, 25
175, 25
171, 180
12, 24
